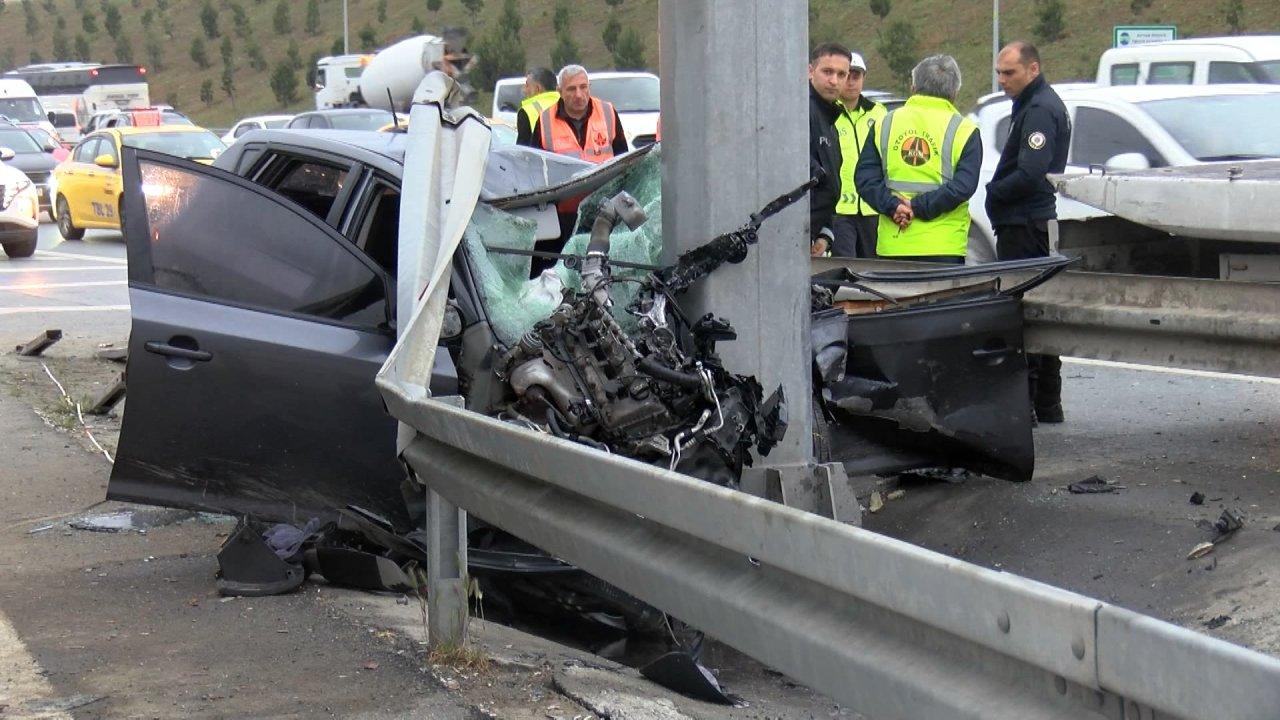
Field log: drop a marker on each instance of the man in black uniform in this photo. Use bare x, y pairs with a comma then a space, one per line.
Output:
828, 69
1020, 199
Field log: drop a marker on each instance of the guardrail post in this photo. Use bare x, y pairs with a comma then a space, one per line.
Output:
446, 572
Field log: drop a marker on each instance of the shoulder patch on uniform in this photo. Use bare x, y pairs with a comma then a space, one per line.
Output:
1035, 140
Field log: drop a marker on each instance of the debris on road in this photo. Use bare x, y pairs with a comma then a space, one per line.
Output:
110, 351
109, 398
679, 670
895, 495
876, 503
139, 521
1200, 550
1094, 484
38, 344
1197, 498
1225, 526
1217, 621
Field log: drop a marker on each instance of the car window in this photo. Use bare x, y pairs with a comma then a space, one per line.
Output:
242, 129
1002, 130
509, 97
312, 185
378, 231
19, 141
107, 147
1230, 72
85, 151
1171, 73
266, 255
1099, 135
1126, 74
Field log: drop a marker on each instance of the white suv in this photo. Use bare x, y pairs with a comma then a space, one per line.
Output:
19, 210
1134, 128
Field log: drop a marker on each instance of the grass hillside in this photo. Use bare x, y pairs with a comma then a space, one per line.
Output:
160, 35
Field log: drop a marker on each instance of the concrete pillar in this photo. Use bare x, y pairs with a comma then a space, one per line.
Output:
735, 135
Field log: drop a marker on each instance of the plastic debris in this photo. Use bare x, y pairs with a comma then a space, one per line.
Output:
876, 503
1200, 550
1218, 621
1093, 485
1197, 498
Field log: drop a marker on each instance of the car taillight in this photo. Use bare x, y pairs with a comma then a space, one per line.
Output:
142, 71
93, 73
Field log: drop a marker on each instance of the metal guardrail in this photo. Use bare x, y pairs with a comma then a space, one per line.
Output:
886, 628
1191, 323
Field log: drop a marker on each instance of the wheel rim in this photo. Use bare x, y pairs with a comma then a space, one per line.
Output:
64, 217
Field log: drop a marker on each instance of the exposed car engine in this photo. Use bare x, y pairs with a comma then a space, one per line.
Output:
655, 391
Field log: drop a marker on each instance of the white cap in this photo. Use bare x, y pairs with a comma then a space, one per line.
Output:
856, 62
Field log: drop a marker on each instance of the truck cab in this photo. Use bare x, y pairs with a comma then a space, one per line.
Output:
338, 80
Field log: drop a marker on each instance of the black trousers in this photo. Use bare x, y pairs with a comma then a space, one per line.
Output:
855, 235
1031, 240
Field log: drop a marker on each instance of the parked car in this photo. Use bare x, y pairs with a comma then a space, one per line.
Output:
33, 157
1198, 61
1134, 128
87, 187
58, 149
136, 117
635, 95
341, 119
19, 209
257, 122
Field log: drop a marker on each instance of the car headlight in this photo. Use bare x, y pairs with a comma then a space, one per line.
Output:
14, 191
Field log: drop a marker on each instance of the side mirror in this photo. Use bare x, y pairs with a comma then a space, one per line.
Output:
106, 161
7, 153
53, 117
1127, 161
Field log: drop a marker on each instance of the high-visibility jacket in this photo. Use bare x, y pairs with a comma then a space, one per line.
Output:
920, 145
558, 136
855, 126
533, 106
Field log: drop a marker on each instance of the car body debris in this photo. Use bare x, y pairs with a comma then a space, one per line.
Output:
1197, 498
1093, 485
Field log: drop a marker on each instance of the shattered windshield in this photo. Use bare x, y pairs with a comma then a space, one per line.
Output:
1252, 118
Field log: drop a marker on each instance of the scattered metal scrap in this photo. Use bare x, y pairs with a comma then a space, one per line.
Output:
1220, 530
113, 352
109, 398
39, 343
1094, 484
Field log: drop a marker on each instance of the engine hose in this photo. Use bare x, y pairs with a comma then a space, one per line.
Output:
656, 370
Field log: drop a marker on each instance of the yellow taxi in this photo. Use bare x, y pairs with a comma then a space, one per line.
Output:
87, 187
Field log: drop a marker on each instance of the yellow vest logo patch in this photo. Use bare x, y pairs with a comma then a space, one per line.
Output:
915, 151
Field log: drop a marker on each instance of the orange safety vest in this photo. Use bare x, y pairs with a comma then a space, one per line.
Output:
558, 137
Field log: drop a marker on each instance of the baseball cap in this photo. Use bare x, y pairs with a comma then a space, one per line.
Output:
856, 62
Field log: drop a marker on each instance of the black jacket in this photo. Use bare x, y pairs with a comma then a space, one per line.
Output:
824, 160
1037, 145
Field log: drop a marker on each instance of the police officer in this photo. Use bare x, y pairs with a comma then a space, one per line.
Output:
828, 70
855, 221
539, 94
921, 168
1020, 199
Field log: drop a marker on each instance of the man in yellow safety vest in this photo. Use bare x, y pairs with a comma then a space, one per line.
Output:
921, 168
539, 94
855, 221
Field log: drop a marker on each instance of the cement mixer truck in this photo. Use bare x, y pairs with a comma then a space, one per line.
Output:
396, 70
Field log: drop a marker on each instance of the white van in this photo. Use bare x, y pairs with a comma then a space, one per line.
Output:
18, 103
635, 95
1198, 61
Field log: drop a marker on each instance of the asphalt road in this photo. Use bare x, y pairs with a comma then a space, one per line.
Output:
97, 619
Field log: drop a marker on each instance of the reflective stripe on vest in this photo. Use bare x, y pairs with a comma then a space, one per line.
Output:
854, 128
532, 107
559, 138
915, 162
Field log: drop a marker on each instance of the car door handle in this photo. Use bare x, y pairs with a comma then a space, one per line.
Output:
160, 348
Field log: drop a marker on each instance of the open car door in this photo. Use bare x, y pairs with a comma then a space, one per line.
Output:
257, 331
937, 379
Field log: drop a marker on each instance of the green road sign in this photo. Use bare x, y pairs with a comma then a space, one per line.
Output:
1126, 35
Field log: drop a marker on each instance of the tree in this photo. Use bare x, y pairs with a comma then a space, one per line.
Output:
61, 44
226, 51
83, 51
240, 21
312, 25
148, 17
612, 30
124, 49
565, 51
33, 24
256, 60
199, 55
881, 8
229, 86
209, 20
510, 18
368, 38
293, 55
473, 6
338, 47
898, 46
8, 59
35, 58
281, 20
613, 3
284, 84
1137, 6
155, 53
1233, 14
382, 11
206, 92
416, 27
499, 54
89, 22
112, 21
1050, 25
560, 16
433, 6
629, 55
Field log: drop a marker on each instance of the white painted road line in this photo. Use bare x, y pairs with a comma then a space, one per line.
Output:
47, 286
25, 694
63, 308
45, 268
1171, 371
77, 256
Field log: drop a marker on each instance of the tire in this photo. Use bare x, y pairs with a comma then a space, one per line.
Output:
21, 248
66, 227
